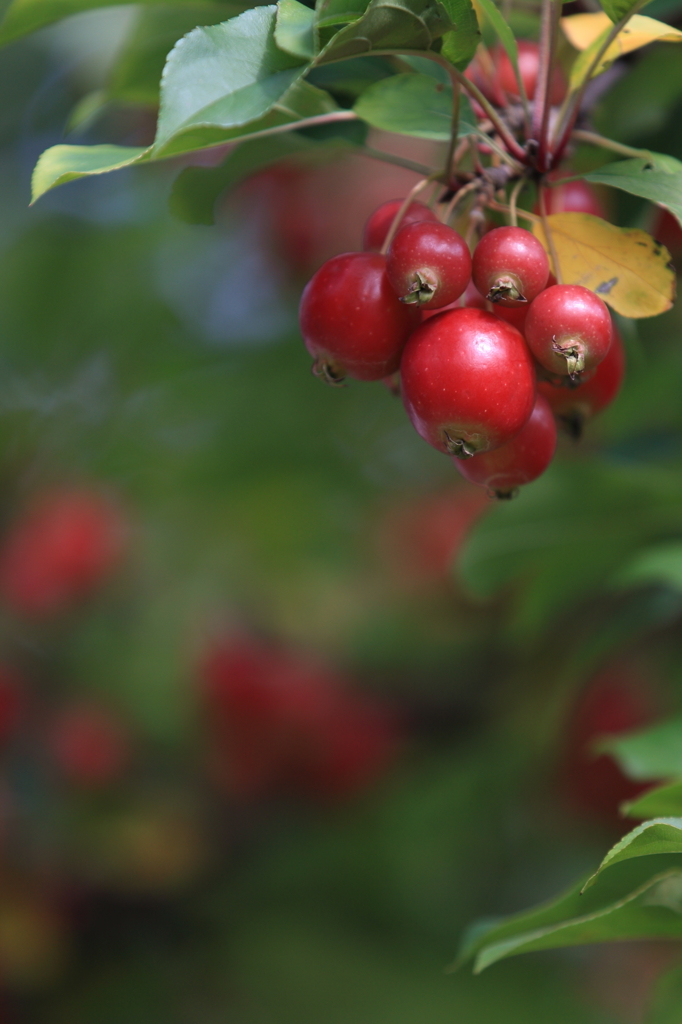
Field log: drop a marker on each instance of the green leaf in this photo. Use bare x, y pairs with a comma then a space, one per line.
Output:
661, 835
330, 13
60, 164
617, 9
136, 74
24, 16
221, 78
657, 178
416, 105
666, 1004
459, 45
660, 565
663, 801
654, 911
389, 25
654, 753
576, 916
294, 30
506, 37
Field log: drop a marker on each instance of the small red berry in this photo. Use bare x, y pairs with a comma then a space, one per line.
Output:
520, 461
379, 224
568, 329
89, 745
574, 405
468, 381
428, 264
510, 266
352, 322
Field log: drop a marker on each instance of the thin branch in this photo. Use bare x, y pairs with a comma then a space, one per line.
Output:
549, 236
544, 157
457, 198
399, 161
404, 207
524, 214
513, 199
569, 114
454, 129
600, 140
544, 56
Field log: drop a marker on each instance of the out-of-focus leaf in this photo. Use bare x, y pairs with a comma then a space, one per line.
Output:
196, 189
294, 30
659, 565
659, 836
626, 267
24, 16
654, 753
415, 105
658, 179
60, 164
588, 33
661, 802
641, 102
136, 74
666, 1004
533, 542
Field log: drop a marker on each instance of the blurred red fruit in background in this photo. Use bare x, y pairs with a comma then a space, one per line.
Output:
667, 231
616, 701
11, 701
420, 537
89, 745
572, 197
279, 721
62, 547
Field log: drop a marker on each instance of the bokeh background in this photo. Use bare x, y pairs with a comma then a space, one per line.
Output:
284, 704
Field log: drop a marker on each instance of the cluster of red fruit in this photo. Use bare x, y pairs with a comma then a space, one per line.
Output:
487, 347
278, 721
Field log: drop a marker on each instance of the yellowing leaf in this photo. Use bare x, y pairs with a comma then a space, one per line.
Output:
587, 32
626, 267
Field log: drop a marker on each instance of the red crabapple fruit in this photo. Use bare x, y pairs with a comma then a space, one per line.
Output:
468, 381
529, 66
352, 322
521, 460
379, 224
574, 405
510, 266
568, 329
428, 264
89, 745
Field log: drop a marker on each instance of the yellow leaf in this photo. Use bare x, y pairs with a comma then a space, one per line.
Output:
587, 32
626, 267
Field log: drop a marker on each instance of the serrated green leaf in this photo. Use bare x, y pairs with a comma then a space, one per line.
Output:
60, 164
416, 105
661, 835
459, 45
657, 178
654, 753
136, 74
663, 801
294, 29
389, 25
222, 78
